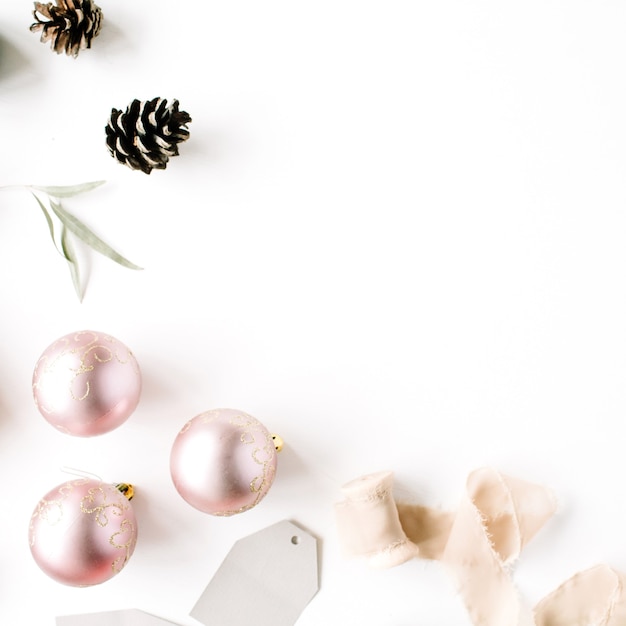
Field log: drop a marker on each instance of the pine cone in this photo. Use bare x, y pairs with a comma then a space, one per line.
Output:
147, 134
69, 26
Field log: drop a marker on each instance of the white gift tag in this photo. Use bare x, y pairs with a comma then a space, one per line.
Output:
267, 579
130, 617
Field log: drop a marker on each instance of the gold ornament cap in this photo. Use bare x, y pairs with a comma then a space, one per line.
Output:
278, 442
127, 490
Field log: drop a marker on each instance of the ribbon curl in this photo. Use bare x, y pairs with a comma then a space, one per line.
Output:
477, 544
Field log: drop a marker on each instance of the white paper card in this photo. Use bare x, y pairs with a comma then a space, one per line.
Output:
130, 617
267, 579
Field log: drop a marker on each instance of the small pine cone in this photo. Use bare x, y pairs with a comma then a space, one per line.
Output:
69, 26
147, 134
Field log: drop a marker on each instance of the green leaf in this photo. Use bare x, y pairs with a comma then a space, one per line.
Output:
72, 261
77, 227
68, 191
50, 225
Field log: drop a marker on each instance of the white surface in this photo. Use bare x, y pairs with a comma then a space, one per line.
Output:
396, 236
127, 617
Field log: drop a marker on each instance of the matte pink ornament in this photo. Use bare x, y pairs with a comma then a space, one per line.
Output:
83, 531
86, 383
223, 462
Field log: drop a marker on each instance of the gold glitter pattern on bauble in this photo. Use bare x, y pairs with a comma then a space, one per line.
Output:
51, 511
261, 454
102, 507
126, 528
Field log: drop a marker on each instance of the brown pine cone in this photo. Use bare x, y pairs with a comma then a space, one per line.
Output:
69, 26
147, 134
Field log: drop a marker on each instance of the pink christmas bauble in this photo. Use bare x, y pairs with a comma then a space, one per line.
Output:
86, 383
83, 532
223, 462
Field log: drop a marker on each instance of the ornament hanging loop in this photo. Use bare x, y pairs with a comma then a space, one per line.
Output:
80, 473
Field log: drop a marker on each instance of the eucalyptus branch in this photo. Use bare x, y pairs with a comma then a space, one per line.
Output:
71, 226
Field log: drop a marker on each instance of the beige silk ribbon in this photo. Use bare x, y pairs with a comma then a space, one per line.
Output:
477, 544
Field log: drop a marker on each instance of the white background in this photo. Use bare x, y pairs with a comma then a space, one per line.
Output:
396, 236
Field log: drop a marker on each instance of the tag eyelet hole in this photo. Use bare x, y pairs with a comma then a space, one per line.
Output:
295, 540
